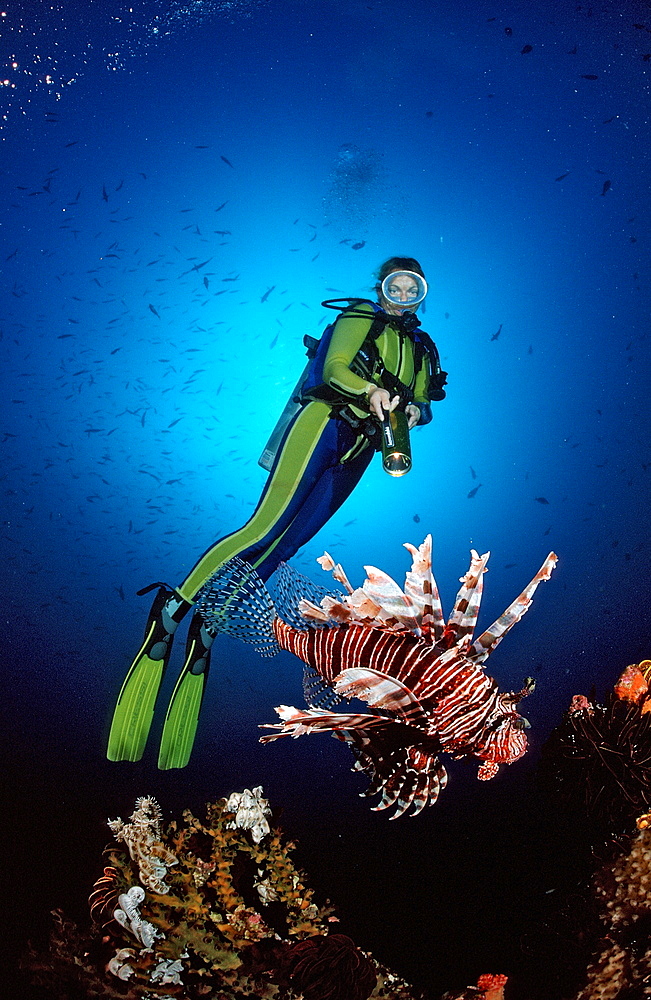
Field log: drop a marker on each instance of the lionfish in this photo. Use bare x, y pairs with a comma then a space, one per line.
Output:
392, 649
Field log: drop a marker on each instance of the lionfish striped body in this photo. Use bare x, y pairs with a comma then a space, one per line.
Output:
392, 649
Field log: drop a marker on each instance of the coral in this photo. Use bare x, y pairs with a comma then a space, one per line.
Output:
489, 987
142, 837
621, 966
235, 920
251, 812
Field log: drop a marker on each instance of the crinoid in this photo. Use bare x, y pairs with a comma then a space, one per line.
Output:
103, 900
599, 761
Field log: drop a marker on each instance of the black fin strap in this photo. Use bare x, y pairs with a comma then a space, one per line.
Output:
152, 586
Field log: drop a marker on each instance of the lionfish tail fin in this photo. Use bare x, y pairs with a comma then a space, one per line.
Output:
236, 602
484, 645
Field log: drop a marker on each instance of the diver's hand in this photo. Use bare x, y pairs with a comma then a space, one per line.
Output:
413, 415
380, 403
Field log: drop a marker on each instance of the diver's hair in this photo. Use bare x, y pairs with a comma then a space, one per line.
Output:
398, 264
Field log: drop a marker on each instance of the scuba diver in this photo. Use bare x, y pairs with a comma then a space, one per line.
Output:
372, 366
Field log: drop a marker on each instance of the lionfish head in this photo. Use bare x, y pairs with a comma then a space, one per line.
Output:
503, 742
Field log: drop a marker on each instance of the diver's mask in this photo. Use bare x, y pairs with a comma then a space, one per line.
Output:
404, 289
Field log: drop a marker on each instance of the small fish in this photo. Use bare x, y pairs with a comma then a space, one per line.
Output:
223, 205
607, 186
267, 294
227, 162
541, 500
526, 49
358, 246
563, 176
472, 472
104, 193
416, 519
274, 341
496, 335
473, 492
589, 76
154, 310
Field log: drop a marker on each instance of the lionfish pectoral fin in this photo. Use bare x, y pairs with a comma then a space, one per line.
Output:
407, 777
297, 722
236, 601
380, 690
317, 692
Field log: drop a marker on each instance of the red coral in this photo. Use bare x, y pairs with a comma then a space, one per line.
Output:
492, 986
331, 968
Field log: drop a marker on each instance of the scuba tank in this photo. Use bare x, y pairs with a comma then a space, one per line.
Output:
292, 406
311, 379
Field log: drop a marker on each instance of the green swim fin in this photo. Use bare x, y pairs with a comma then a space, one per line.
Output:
137, 698
180, 727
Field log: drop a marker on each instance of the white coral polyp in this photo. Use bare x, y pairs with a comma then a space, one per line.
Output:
167, 971
251, 811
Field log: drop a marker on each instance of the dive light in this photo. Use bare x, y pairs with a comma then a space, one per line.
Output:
396, 450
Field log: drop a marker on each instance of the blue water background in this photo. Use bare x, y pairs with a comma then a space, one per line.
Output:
147, 147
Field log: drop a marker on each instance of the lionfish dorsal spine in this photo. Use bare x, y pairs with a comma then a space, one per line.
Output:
420, 585
462, 621
395, 606
486, 642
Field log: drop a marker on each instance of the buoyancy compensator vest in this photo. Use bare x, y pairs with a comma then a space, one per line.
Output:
367, 363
